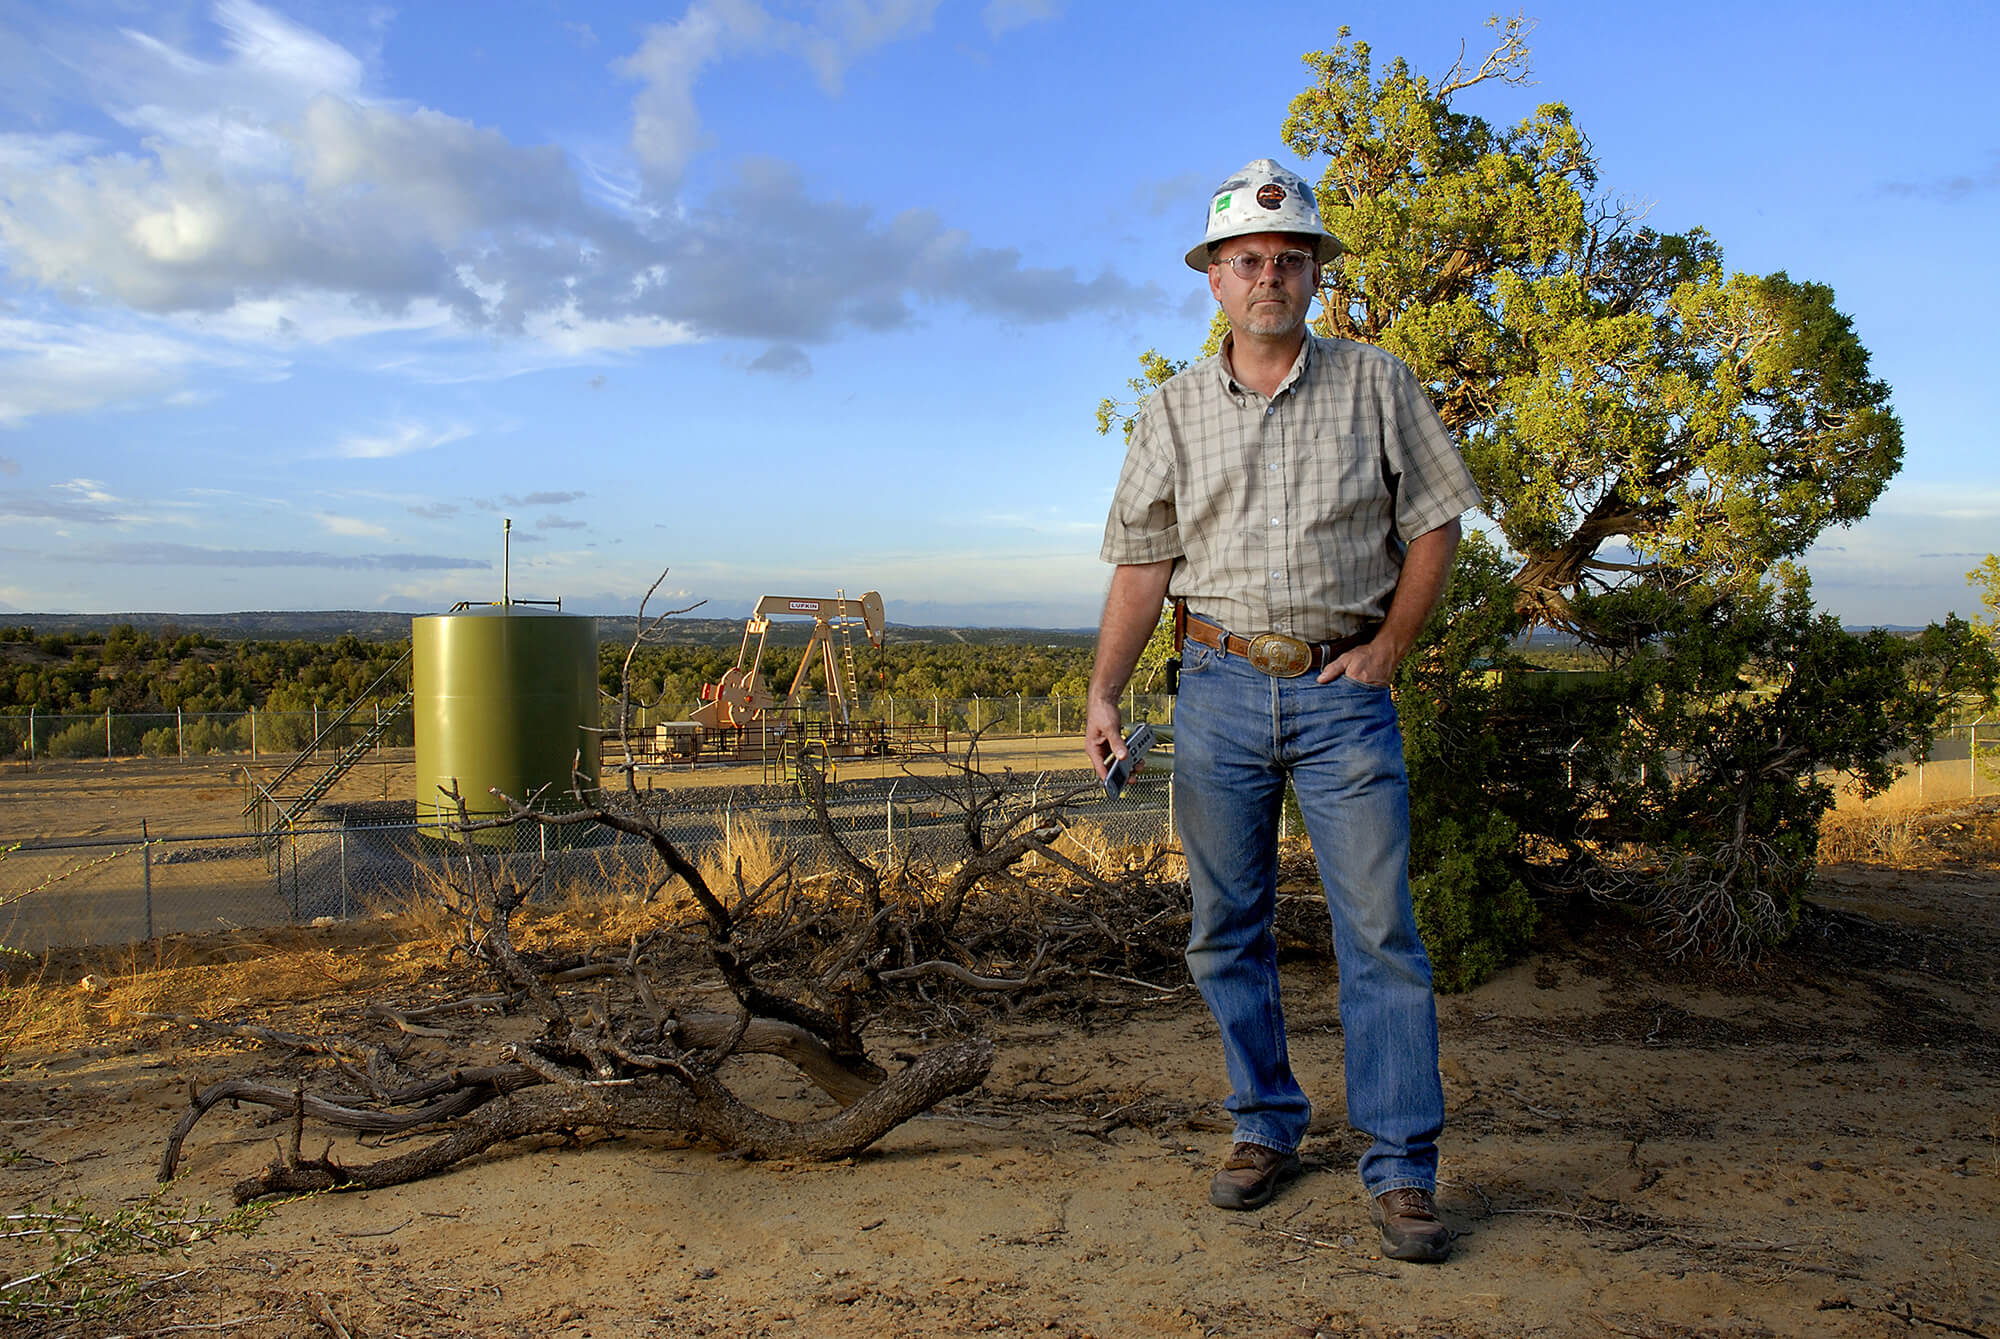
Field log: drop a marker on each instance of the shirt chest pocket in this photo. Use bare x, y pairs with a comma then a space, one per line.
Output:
1342, 475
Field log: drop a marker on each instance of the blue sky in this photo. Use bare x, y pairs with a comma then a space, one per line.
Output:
298, 300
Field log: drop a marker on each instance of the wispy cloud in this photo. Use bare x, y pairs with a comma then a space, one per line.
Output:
72, 502
352, 526
1004, 16
560, 523
399, 440
1184, 194
1958, 186
188, 555
667, 128
64, 365
1048, 524
547, 498
785, 360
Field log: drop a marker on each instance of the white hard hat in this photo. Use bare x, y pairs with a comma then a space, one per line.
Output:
1263, 197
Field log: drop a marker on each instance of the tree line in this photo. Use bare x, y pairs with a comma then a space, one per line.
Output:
131, 671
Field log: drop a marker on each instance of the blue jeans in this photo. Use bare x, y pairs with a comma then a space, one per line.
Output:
1238, 734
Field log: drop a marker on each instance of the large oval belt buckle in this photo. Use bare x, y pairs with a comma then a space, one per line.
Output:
1280, 656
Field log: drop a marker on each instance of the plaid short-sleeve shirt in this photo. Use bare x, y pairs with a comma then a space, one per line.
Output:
1288, 514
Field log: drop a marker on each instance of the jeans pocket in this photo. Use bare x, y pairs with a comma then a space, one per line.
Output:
1196, 658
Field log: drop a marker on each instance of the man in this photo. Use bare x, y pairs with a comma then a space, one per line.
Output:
1298, 499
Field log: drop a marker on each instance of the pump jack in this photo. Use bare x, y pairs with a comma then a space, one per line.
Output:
743, 698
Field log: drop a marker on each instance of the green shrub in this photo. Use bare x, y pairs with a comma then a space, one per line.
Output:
78, 739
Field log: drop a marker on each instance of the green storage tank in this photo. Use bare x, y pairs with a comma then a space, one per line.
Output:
506, 698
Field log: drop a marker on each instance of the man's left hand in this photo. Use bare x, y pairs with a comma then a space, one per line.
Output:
1372, 663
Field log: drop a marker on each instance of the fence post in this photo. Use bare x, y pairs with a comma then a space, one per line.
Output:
1170, 807
180, 739
31, 734
146, 857
107, 734
1972, 761
889, 823
253, 734
1021, 714
1058, 702
934, 712
315, 729
975, 717
728, 843
343, 871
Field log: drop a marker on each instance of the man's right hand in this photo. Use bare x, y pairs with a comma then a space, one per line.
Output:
1103, 735
1131, 608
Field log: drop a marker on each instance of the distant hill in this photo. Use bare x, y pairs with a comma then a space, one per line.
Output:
378, 626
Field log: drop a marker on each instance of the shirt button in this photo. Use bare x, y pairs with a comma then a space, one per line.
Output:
1274, 520
1277, 576
1273, 467
1272, 410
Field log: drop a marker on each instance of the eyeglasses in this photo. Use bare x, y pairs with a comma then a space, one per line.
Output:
1250, 265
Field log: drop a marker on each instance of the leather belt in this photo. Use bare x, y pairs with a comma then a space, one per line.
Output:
1274, 653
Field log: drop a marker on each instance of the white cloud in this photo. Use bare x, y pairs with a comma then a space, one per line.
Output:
50, 366
352, 526
1004, 16
1976, 503
399, 439
266, 197
666, 128
72, 502
319, 318
571, 334
1048, 523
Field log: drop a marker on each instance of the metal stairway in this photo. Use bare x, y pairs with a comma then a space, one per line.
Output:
275, 812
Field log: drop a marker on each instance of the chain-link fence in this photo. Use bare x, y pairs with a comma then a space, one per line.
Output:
112, 891
1963, 762
34, 736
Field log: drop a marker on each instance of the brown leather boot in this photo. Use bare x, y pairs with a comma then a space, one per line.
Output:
1250, 1175
1411, 1229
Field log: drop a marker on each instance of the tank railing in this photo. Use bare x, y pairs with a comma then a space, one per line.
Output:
347, 713
464, 605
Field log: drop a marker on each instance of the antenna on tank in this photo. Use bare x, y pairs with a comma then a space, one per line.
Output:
506, 558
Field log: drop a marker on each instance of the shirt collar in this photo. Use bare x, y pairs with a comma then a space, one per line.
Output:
1300, 366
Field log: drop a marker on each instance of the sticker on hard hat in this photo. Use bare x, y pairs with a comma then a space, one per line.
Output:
1221, 203
1270, 195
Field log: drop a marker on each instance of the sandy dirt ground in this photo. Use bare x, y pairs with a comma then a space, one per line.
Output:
1808, 1148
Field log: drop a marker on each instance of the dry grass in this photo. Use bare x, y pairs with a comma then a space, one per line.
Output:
77, 997
1870, 837
1909, 836
1085, 842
